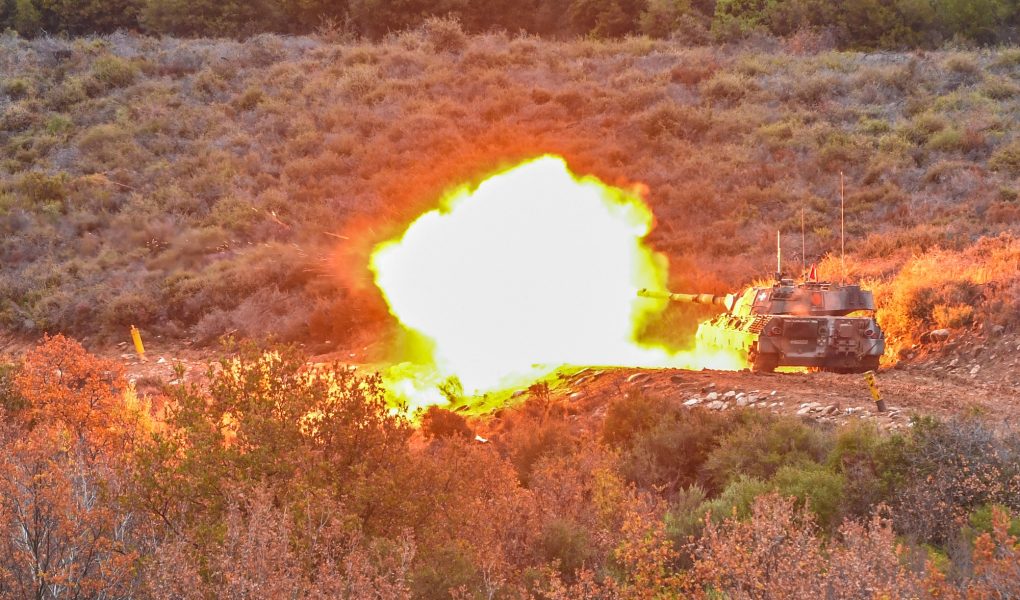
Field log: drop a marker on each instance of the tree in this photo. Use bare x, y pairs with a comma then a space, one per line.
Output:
27, 18
65, 386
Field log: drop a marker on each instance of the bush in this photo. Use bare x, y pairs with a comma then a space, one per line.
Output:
113, 72
726, 87
815, 487
759, 449
444, 34
669, 456
1007, 159
629, 415
439, 423
567, 543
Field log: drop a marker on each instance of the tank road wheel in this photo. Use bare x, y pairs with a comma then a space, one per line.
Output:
762, 363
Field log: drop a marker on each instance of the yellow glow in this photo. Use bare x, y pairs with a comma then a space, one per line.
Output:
534, 269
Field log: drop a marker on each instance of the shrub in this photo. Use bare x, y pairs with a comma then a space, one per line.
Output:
629, 415
17, 117
759, 448
1007, 159
17, 88
670, 455
439, 423
567, 543
735, 500
444, 34
40, 188
726, 87
815, 487
672, 120
113, 72
249, 99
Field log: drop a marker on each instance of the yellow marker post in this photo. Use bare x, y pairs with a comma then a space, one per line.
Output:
136, 337
873, 386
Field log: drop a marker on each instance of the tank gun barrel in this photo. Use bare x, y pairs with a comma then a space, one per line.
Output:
723, 301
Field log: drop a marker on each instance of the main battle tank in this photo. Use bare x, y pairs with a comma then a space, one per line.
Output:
810, 324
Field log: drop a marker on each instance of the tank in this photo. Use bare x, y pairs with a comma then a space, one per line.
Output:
809, 324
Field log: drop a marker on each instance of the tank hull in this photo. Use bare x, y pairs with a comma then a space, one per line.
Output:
839, 344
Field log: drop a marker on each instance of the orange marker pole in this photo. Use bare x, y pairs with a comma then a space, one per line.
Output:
136, 337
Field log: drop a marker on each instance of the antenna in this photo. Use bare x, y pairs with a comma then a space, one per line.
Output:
842, 232
803, 245
779, 258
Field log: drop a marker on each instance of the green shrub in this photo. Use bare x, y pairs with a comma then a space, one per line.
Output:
962, 64
11, 400
736, 499
1007, 159
567, 543
981, 519
58, 124
946, 140
999, 88
815, 486
17, 88
130, 308
759, 449
670, 455
69, 93
40, 188
113, 72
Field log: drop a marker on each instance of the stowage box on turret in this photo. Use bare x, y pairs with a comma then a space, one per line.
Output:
810, 324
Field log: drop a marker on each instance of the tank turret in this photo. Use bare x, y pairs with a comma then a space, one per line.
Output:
810, 324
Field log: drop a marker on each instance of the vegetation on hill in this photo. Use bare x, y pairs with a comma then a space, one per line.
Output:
280, 480
852, 23
200, 187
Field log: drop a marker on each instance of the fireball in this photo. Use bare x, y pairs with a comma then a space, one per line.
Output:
533, 269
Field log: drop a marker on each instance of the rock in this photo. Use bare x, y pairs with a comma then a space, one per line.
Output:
803, 411
717, 405
830, 410
712, 396
676, 379
518, 393
161, 360
974, 370
953, 363
934, 336
711, 386
693, 402
729, 394
576, 396
752, 398
742, 400
637, 377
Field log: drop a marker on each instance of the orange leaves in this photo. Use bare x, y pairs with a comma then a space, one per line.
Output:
67, 387
996, 562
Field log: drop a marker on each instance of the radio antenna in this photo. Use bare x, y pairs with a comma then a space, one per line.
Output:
803, 245
779, 258
842, 232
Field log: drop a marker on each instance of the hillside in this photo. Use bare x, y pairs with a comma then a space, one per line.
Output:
204, 187
207, 186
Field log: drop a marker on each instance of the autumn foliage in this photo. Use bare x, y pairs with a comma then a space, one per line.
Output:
282, 479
